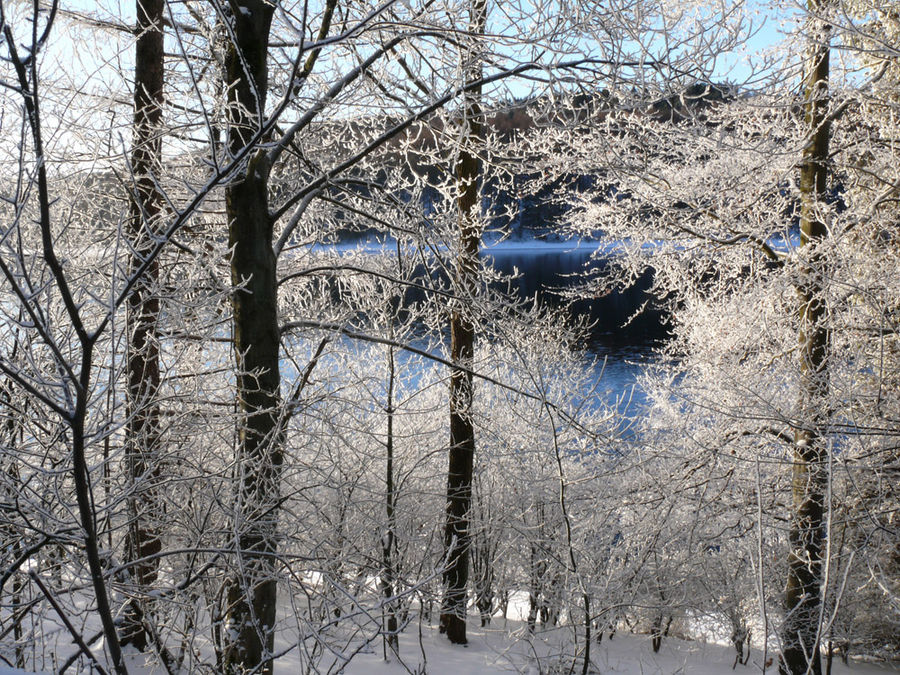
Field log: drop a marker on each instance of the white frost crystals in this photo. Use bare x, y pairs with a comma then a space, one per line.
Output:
608, 123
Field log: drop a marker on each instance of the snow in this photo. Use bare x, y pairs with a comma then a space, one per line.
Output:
491, 650
506, 647
503, 647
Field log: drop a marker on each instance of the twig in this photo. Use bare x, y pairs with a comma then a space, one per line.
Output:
76, 636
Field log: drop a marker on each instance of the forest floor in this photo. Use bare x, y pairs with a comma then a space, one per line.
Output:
505, 649
505, 646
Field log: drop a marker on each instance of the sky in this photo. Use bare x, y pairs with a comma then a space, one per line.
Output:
88, 69
736, 66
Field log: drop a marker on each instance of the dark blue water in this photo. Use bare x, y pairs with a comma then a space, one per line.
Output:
549, 269
618, 343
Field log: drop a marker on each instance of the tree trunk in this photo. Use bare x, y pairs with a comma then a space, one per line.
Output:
803, 593
388, 575
251, 591
462, 341
534, 589
484, 546
143, 429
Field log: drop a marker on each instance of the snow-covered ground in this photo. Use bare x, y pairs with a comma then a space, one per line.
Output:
492, 650
505, 647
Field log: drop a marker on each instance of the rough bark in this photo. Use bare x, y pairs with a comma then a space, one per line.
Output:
143, 428
462, 339
251, 590
803, 593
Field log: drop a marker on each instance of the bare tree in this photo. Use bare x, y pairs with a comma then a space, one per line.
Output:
69, 397
457, 537
801, 630
251, 595
143, 433
301, 414
737, 200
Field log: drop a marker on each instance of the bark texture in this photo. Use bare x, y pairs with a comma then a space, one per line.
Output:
251, 590
143, 428
457, 537
803, 592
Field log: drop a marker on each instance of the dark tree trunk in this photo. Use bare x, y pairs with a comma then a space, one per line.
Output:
534, 592
388, 576
143, 430
251, 591
88, 518
803, 593
462, 341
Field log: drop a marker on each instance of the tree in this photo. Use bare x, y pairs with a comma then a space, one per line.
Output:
809, 485
74, 286
733, 202
71, 350
457, 539
309, 467
251, 594
143, 433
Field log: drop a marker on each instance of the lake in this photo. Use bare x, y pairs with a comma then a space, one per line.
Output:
616, 349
